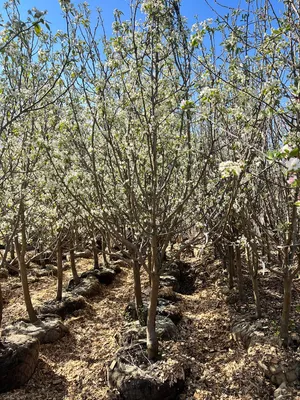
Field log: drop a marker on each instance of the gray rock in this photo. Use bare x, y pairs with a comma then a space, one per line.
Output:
169, 281
133, 331
83, 254
48, 329
282, 392
18, 359
87, 287
103, 274
136, 378
68, 305
3, 273
165, 308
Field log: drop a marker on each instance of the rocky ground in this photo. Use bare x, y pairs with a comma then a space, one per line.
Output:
217, 367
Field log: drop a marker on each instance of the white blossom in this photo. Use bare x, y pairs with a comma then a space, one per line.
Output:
293, 164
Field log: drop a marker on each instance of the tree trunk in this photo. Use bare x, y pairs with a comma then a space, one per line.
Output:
256, 295
21, 250
7, 246
42, 256
59, 269
152, 341
286, 308
95, 254
72, 260
230, 266
149, 268
239, 272
12, 251
1, 307
253, 271
138, 293
104, 250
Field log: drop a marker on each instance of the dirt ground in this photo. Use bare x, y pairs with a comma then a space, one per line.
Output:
75, 367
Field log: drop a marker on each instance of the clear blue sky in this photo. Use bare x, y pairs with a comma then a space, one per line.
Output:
189, 8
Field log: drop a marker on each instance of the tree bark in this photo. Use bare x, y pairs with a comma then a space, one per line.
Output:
253, 271
42, 256
72, 260
59, 269
104, 250
230, 267
286, 308
138, 293
152, 341
1, 308
21, 250
239, 272
7, 246
95, 254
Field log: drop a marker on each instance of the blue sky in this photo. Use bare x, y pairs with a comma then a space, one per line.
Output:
190, 8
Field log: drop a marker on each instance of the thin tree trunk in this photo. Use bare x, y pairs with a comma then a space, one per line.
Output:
59, 269
21, 250
7, 246
286, 308
72, 260
104, 250
95, 254
152, 341
1, 308
149, 268
230, 267
138, 293
42, 256
253, 270
12, 251
239, 272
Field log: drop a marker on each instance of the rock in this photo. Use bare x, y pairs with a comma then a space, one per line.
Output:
115, 267
18, 359
67, 306
83, 254
172, 269
104, 275
133, 331
47, 329
167, 293
3, 273
243, 331
87, 287
274, 362
169, 281
282, 392
165, 308
136, 378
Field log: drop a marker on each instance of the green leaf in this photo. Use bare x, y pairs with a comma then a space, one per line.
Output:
297, 204
37, 29
294, 152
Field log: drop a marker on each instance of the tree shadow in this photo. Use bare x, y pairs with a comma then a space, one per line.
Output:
44, 380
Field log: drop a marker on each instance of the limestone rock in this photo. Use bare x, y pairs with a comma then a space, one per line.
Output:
47, 329
87, 287
18, 359
136, 378
133, 331
169, 281
103, 274
68, 305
